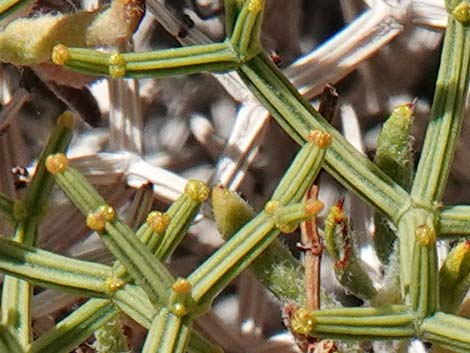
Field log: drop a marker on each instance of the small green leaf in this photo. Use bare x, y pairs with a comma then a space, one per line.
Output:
231, 212
276, 268
395, 157
453, 283
394, 149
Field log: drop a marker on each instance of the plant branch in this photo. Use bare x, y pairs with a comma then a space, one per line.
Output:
53, 271
357, 323
296, 116
186, 60
75, 328
16, 293
147, 271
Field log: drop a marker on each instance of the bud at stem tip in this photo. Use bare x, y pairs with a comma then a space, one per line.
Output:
56, 163
158, 221
320, 138
66, 120
182, 286
97, 220
303, 321
60, 54
197, 190
255, 5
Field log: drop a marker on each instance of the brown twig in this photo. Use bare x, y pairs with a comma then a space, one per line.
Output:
311, 243
309, 234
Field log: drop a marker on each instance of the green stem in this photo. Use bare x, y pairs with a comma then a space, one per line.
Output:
181, 57
364, 323
79, 190
50, 270
16, 308
176, 61
424, 289
446, 116
246, 33
182, 212
134, 302
199, 344
301, 173
394, 153
348, 266
168, 334
160, 237
42, 182
418, 262
454, 222
75, 328
232, 258
232, 11
16, 294
447, 331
